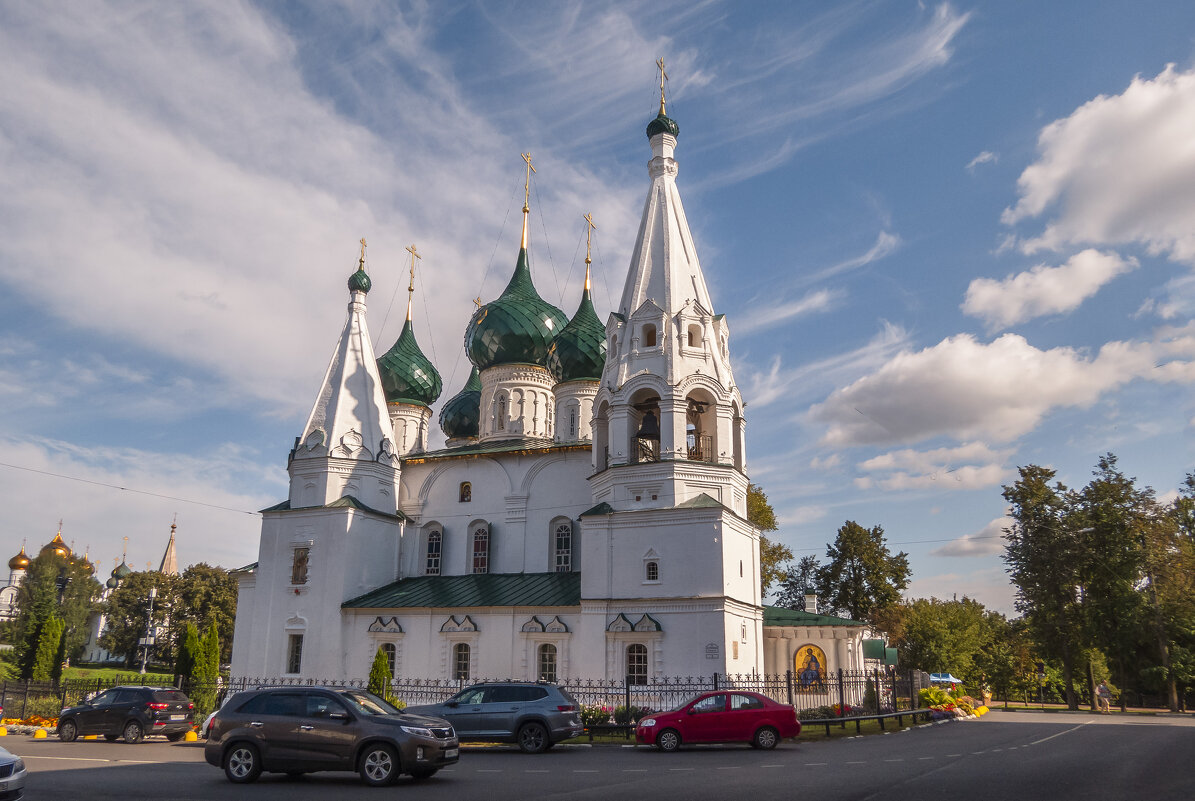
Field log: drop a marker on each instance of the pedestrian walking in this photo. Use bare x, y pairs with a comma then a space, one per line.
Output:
1104, 696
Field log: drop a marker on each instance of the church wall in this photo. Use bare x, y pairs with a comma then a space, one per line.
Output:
842, 646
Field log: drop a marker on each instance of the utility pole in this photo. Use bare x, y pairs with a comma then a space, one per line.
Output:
147, 640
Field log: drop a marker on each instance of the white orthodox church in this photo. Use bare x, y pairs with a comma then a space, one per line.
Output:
586, 519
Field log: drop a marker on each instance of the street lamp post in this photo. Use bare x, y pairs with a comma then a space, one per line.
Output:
147, 640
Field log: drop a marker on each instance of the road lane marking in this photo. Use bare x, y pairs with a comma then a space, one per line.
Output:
98, 759
681, 770
921, 759
582, 771
730, 767
489, 771
812, 764
954, 755
771, 766
537, 771
856, 763
1059, 734
894, 760
634, 770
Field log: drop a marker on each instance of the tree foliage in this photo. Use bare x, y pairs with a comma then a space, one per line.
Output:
49, 644
772, 554
205, 595
798, 580
53, 587
379, 675
861, 576
128, 608
945, 636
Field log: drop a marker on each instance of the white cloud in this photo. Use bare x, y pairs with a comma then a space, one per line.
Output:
998, 391
1043, 290
762, 317
986, 157
990, 586
1120, 169
970, 466
827, 463
985, 542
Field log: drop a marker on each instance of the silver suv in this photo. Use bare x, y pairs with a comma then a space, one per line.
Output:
534, 715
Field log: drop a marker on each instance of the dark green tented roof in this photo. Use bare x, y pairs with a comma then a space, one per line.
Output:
407, 375
579, 351
517, 328
778, 616
347, 502
490, 589
461, 414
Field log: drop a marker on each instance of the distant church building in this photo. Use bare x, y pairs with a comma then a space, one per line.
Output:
586, 519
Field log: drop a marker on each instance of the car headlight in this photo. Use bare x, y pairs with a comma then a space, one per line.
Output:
18, 766
419, 730
647, 723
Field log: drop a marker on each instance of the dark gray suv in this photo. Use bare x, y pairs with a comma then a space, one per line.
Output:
297, 730
534, 715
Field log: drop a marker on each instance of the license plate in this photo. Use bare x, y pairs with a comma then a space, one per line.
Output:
178, 717
451, 753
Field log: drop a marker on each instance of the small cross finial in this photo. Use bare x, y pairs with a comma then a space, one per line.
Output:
124, 557
411, 287
663, 78
527, 185
477, 301
361, 263
588, 241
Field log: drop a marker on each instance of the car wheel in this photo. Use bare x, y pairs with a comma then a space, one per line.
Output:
178, 735
533, 738
111, 738
766, 738
423, 773
379, 765
668, 740
67, 731
242, 764
133, 732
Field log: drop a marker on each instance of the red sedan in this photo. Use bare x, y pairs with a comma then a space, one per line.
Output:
726, 716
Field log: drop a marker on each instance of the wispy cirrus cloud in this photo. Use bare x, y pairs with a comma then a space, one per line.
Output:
985, 542
969, 466
985, 157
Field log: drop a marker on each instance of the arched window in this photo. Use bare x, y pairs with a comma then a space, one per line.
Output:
546, 660
460, 661
649, 336
390, 651
435, 543
651, 571
572, 422
466, 492
501, 412
637, 663
694, 335
563, 547
481, 550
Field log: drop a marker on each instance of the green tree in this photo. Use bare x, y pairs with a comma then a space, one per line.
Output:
1043, 553
380, 676
1005, 663
188, 652
205, 595
45, 661
127, 608
946, 636
53, 587
206, 671
772, 554
861, 575
798, 580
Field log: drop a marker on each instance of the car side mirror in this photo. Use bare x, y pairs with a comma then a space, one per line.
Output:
452, 704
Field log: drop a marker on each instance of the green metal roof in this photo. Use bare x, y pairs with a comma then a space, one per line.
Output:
702, 501
461, 414
407, 375
359, 281
579, 351
602, 508
518, 327
529, 446
662, 124
347, 502
873, 649
778, 616
489, 589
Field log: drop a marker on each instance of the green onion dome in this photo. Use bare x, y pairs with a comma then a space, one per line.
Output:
407, 375
112, 583
579, 351
461, 415
20, 561
122, 571
517, 328
359, 281
662, 124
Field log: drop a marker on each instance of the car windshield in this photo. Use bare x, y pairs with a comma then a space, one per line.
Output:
368, 703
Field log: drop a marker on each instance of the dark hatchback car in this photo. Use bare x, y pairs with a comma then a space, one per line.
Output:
131, 713
296, 730
533, 714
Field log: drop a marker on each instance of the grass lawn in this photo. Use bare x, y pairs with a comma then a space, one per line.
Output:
807, 732
121, 675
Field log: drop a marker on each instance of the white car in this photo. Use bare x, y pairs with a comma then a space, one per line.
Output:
12, 775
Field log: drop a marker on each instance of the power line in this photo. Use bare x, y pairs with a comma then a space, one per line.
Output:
126, 489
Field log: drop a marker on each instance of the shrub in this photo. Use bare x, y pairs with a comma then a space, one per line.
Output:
624, 716
816, 713
593, 715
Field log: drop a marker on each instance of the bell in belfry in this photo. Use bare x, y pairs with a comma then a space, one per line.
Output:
649, 428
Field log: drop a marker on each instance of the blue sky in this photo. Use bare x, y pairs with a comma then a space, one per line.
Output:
950, 239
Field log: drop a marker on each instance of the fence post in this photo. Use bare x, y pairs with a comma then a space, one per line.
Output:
627, 691
841, 698
715, 680
913, 697
788, 678
25, 703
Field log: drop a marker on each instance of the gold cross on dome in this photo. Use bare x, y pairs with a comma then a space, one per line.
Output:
477, 301
590, 228
527, 185
663, 77
415, 254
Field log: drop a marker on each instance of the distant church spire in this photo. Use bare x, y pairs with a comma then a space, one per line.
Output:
169, 564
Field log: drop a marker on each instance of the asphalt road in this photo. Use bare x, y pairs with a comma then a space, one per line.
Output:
1023, 755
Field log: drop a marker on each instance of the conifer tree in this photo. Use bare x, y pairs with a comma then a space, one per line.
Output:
48, 645
188, 649
379, 675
